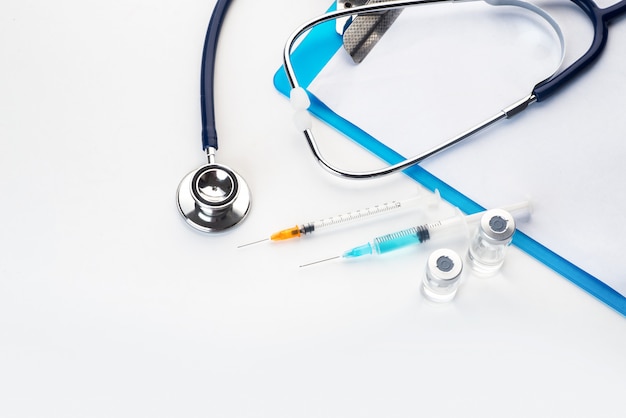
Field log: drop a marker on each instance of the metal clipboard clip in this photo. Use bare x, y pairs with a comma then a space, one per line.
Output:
362, 32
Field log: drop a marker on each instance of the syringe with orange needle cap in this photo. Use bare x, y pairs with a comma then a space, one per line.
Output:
427, 200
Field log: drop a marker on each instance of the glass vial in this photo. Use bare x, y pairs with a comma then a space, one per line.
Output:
490, 242
443, 273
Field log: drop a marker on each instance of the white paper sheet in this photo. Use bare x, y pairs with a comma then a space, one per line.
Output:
441, 69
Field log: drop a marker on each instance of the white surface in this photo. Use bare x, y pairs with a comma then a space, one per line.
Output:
111, 306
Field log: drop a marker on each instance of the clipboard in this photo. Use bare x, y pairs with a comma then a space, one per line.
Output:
310, 58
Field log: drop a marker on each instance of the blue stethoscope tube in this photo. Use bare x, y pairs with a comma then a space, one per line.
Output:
207, 91
600, 18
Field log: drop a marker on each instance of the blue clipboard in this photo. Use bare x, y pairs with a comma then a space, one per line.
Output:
312, 55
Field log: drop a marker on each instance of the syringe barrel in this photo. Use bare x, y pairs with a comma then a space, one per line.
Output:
455, 226
420, 201
400, 239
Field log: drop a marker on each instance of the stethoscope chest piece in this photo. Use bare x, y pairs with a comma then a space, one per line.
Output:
213, 198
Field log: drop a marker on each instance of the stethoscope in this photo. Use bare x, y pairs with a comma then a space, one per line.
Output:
600, 19
212, 198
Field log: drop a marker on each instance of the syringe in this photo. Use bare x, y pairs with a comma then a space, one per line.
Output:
426, 200
422, 233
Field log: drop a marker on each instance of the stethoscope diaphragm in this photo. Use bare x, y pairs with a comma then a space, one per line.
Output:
213, 198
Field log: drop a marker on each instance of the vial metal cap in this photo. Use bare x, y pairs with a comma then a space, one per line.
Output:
497, 226
444, 264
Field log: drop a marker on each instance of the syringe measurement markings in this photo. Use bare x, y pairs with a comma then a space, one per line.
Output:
358, 214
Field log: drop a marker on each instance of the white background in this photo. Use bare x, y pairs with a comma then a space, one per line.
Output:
111, 306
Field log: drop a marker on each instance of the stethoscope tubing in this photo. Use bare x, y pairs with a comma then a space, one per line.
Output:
214, 197
600, 19
207, 83
542, 90
378, 7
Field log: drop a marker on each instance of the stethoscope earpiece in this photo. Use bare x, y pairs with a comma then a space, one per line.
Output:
213, 198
